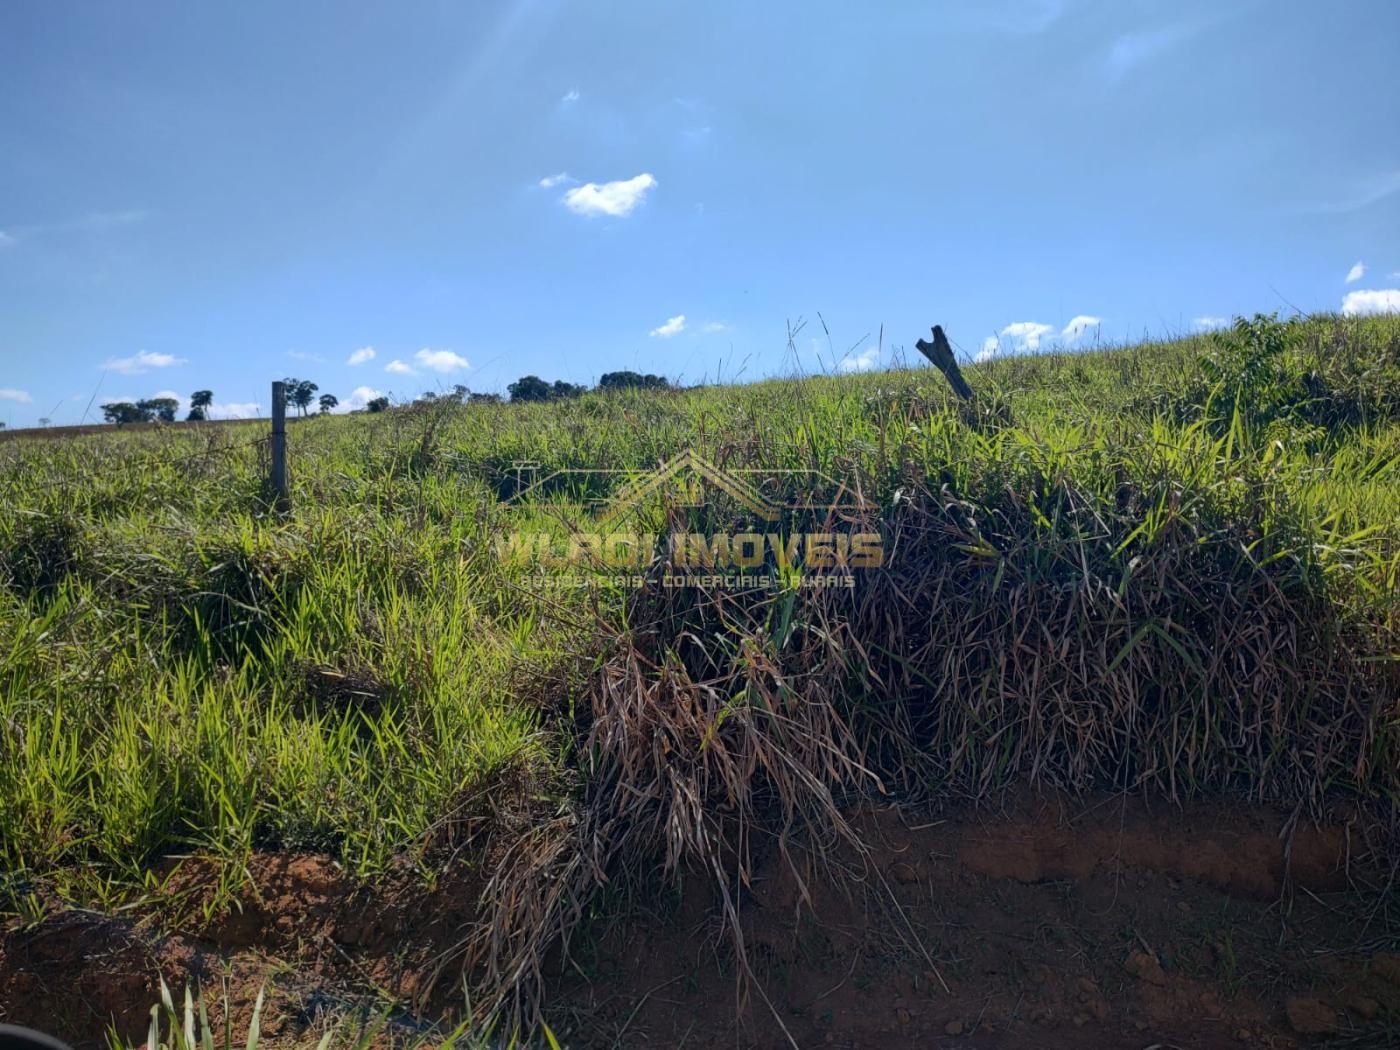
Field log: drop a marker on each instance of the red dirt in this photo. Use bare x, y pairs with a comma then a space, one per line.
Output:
1116, 924
1109, 923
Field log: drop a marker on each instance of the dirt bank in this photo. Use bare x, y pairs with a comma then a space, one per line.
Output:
1107, 922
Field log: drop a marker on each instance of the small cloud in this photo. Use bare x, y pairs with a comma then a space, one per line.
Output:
235, 410
5, 239
1075, 330
302, 355
715, 326
142, 362
609, 198
1209, 324
1132, 49
569, 96
360, 356
101, 220
1375, 301
399, 368
861, 362
673, 326
991, 346
9, 393
1356, 273
440, 360
550, 181
1025, 335
359, 398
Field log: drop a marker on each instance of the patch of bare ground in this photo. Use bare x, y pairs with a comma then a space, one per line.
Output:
1107, 922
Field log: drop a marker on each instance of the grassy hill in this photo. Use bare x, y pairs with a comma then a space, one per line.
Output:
1168, 568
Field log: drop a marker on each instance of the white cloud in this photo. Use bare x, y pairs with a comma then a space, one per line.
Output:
440, 360
1078, 326
571, 95
1356, 273
1132, 49
1026, 335
1208, 323
609, 198
9, 393
142, 362
360, 356
359, 398
5, 239
990, 347
1375, 301
715, 326
861, 362
399, 368
673, 326
235, 410
302, 355
550, 181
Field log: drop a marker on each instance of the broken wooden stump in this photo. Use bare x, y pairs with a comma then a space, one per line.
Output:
941, 354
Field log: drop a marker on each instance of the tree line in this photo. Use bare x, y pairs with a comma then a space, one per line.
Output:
301, 394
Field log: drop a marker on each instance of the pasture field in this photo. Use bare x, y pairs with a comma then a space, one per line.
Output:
360, 751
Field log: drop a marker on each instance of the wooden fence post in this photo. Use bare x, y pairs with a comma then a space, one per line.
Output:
278, 447
941, 354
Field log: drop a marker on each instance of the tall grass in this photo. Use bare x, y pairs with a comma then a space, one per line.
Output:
1166, 567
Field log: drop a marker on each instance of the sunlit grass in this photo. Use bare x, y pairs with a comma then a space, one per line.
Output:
184, 670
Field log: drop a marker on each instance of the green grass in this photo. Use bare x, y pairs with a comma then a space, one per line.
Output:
1169, 566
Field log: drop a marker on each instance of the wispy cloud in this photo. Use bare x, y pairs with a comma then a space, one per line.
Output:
1133, 49
440, 360
360, 356
399, 368
715, 326
861, 362
142, 362
1362, 193
1208, 323
1015, 16
9, 393
550, 181
1374, 301
1356, 273
302, 355
609, 198
1079, 326
569, 96
673, 326
92, 221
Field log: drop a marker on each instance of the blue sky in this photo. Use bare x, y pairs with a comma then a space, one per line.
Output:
198, 195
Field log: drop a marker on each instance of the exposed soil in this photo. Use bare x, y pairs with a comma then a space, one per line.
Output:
1106, 923
1115, 924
